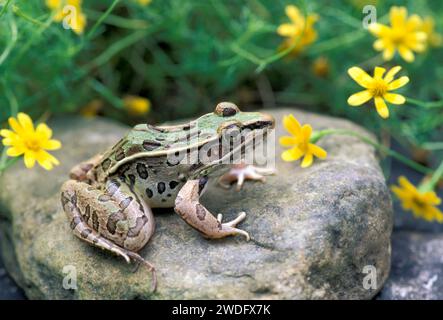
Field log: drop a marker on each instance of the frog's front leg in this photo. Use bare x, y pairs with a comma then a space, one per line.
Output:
113, 219
187, 205
241, 172
79, 172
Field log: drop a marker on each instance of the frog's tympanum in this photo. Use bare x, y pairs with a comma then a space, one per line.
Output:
109, 198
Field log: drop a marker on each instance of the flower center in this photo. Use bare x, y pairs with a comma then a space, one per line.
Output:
419, 202
398, 36
379, 88
33, 144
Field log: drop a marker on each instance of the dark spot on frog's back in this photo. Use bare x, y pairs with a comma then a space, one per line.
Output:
173, 184
106, 164
120, 154
150, 145
161, 187
149, 193
142, 170
134, 150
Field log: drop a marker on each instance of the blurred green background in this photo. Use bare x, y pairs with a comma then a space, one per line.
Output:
187, 55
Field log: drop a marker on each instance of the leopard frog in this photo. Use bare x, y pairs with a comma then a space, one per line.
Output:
108, 199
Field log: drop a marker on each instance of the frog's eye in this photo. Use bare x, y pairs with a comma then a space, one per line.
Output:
226, 109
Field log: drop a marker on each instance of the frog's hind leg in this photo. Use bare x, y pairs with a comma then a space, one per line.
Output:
86, 208
187, 205
241, 172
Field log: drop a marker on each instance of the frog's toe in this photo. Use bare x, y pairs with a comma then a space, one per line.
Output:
240, 173
231, 225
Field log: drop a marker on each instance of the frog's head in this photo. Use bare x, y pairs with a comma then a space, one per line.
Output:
231, 134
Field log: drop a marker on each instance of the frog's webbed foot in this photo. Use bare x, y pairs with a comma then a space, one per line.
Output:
233, 223
242, 172
187, 205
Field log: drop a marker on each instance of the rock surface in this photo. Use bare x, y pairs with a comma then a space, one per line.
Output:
313, 230
417, 271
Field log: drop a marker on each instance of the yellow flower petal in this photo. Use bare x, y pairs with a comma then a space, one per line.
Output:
406, 53
397, 16
317, 151
379, 72
292, 125
394, 98
291, 154
378, 29
29, 159
307, 160
51, 144
287, 30
15, 126
44, 131
398, 83
6, 133
389, 52
25, 121
14, 152
360, 76
359, 98
293, 13
306, 132
404, 182
391, 73
288, 141
381, 107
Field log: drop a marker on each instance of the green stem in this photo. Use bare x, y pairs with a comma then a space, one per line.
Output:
416, 166
21, 14
5, 7
424, 104
430, 185
102, 18
432, 146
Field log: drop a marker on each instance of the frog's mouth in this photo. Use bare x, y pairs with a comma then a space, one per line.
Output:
250, 136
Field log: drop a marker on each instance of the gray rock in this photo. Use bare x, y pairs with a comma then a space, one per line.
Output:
417, 271
313, 230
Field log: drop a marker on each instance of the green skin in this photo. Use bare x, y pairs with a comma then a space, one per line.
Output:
109, 198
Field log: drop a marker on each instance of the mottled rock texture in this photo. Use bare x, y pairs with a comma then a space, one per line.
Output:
417, 271
313, 230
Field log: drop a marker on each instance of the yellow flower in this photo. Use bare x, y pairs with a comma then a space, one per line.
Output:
377, 87
403, 35
320, 67
299, 30
422, 204
300, 144
91, 109
434, 39
23, 139
144, 2
136, 106
70, 12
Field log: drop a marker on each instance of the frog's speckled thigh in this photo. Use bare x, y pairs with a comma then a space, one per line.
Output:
187, 205
114, 219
